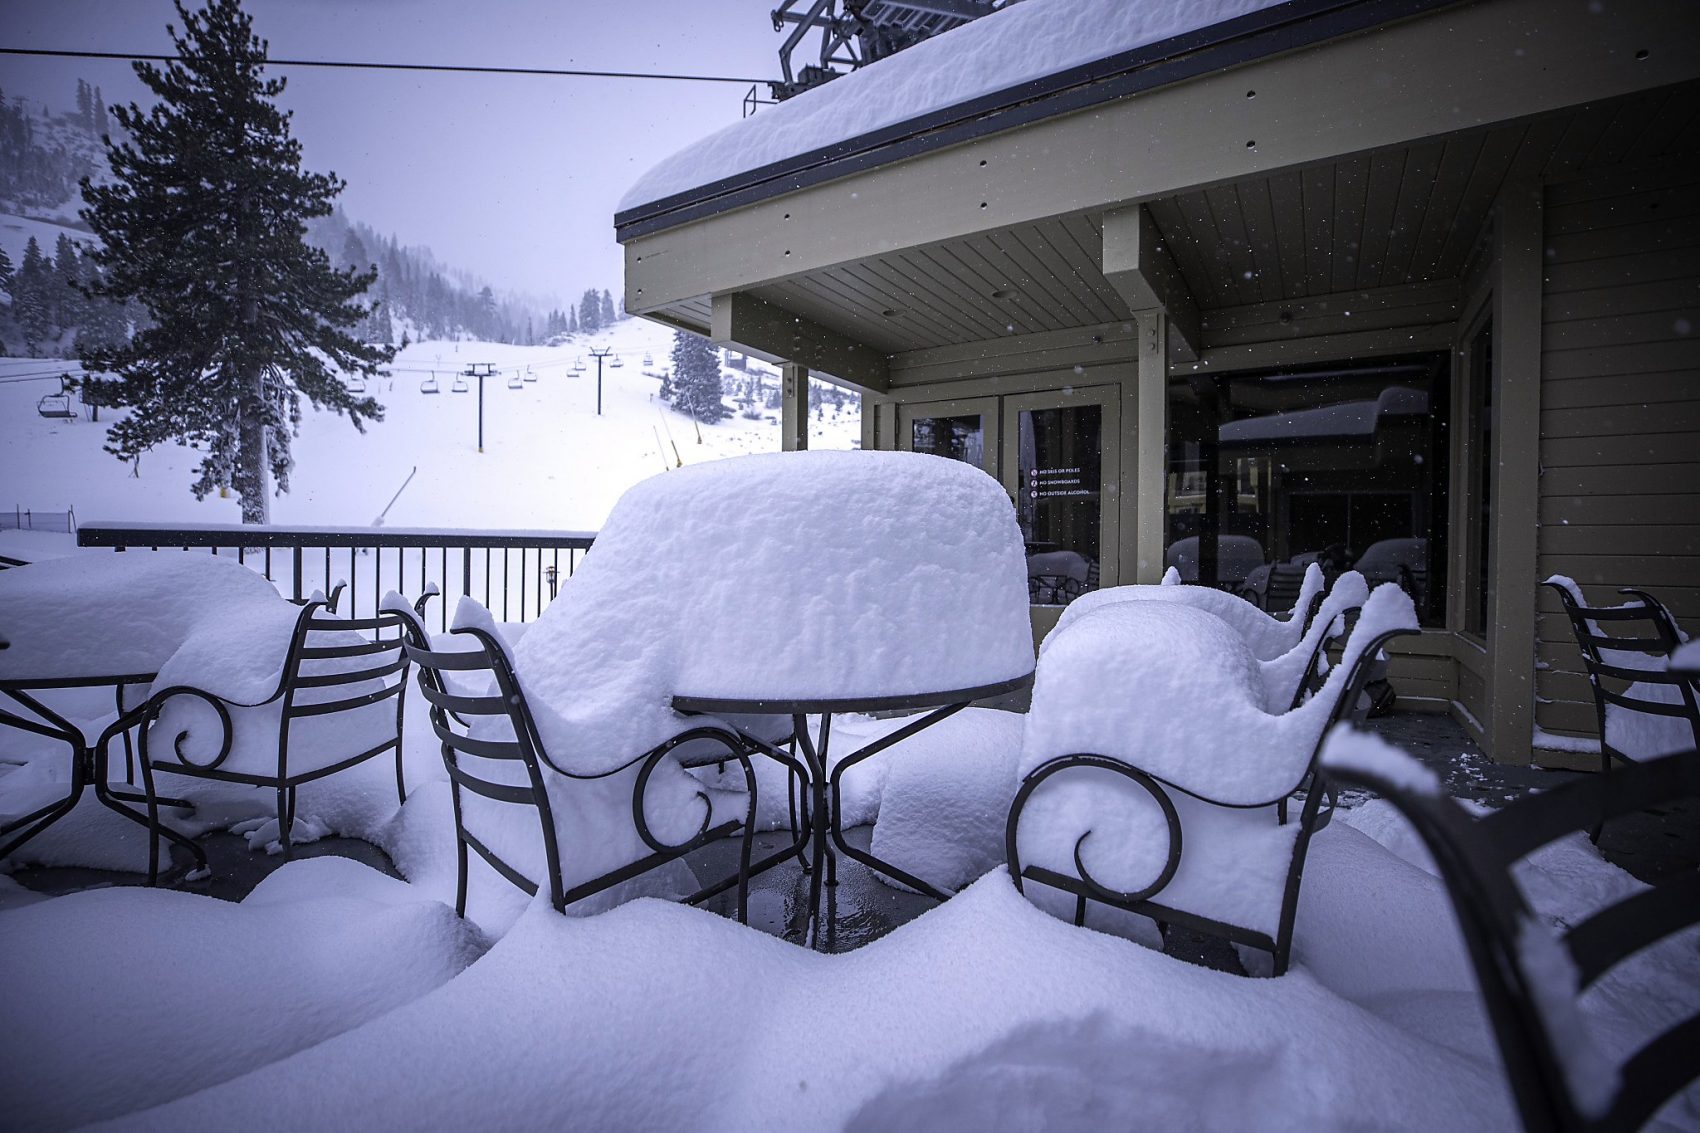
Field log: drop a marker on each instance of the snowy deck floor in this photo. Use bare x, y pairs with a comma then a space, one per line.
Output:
1653, 846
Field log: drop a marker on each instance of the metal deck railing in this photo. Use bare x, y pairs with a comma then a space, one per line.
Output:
513, 573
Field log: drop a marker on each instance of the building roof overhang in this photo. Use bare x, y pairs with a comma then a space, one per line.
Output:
1256, 35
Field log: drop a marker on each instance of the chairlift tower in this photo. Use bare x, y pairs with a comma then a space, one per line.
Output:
480, 370
854, 33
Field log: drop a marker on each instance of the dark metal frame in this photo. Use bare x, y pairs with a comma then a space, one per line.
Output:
822, 830
451, 716
90, 764
1612, 682
1475, 857
1313, 817
389, 661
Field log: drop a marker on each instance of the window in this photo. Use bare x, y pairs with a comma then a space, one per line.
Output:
1343, 464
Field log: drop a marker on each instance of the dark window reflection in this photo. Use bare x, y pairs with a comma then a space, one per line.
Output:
1060, 459
1342, 465
959, 438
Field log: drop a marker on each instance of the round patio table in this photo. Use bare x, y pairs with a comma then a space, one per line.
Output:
89, 763
823, 833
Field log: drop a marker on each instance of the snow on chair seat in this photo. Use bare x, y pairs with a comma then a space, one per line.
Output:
593, 838
1267, 636
276, 696
1152, 769
1565, 1073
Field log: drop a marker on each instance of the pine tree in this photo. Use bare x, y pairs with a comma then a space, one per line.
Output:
203, 225
590, 312
5, 272
607, 309
694, 387
572, 321
29, 297
85, 105
101, 125
64, 302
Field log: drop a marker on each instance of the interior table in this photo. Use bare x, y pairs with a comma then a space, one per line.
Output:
89, 762
822, 779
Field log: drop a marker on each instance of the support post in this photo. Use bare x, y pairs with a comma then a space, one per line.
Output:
1515, 476
599, 355
794, 407
1150, 462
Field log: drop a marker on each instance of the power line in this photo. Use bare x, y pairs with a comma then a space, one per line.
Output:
363, 65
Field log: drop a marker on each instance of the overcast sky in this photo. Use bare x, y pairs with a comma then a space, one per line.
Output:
514, 178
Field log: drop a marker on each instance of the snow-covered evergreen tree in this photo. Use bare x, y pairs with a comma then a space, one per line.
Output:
5, 272
204, 225
607, 311
590, 311
694, 387
29, 297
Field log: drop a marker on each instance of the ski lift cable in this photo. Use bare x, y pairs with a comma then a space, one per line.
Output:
370, 65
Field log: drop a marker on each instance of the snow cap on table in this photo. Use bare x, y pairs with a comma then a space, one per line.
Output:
1021, 43
1174, 691
806, 574
108, 614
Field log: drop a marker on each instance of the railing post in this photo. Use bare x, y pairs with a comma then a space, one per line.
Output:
297, 582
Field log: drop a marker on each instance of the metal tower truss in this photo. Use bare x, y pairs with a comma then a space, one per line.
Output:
854, 33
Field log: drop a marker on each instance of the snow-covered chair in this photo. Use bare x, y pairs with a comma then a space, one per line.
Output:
1531, 977
1642, 707
1289, 650
1150, 733
337, 702
498, 765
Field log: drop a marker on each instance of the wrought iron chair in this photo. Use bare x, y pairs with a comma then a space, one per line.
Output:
1531, 979
1624, 649
1316, 813
332, 695
490, 734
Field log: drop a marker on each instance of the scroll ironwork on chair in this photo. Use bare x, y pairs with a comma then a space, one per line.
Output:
493, 729
332, 695
1625, 649
1149, 900
1530, 977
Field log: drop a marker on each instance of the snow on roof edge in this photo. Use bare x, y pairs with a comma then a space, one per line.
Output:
900, 105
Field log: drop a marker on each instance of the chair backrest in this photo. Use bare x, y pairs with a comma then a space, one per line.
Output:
1625, 649
1559, 1080
1286, 580
486, 735
327, 673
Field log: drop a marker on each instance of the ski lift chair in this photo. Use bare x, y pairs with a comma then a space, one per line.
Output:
341, 697
1218, 827
357, 384
57, 405
459, 385
515, 381
1531, 972
429, 385
615, 362
529, 376
491, 748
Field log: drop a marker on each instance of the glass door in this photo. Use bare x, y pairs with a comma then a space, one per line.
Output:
965, 429
1061, 465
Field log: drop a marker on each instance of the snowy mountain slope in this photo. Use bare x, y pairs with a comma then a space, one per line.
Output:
549, 461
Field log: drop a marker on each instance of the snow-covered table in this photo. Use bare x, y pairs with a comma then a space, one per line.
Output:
824, 836
89, 763
98, 621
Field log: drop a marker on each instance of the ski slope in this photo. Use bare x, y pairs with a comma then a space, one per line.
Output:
549, 461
